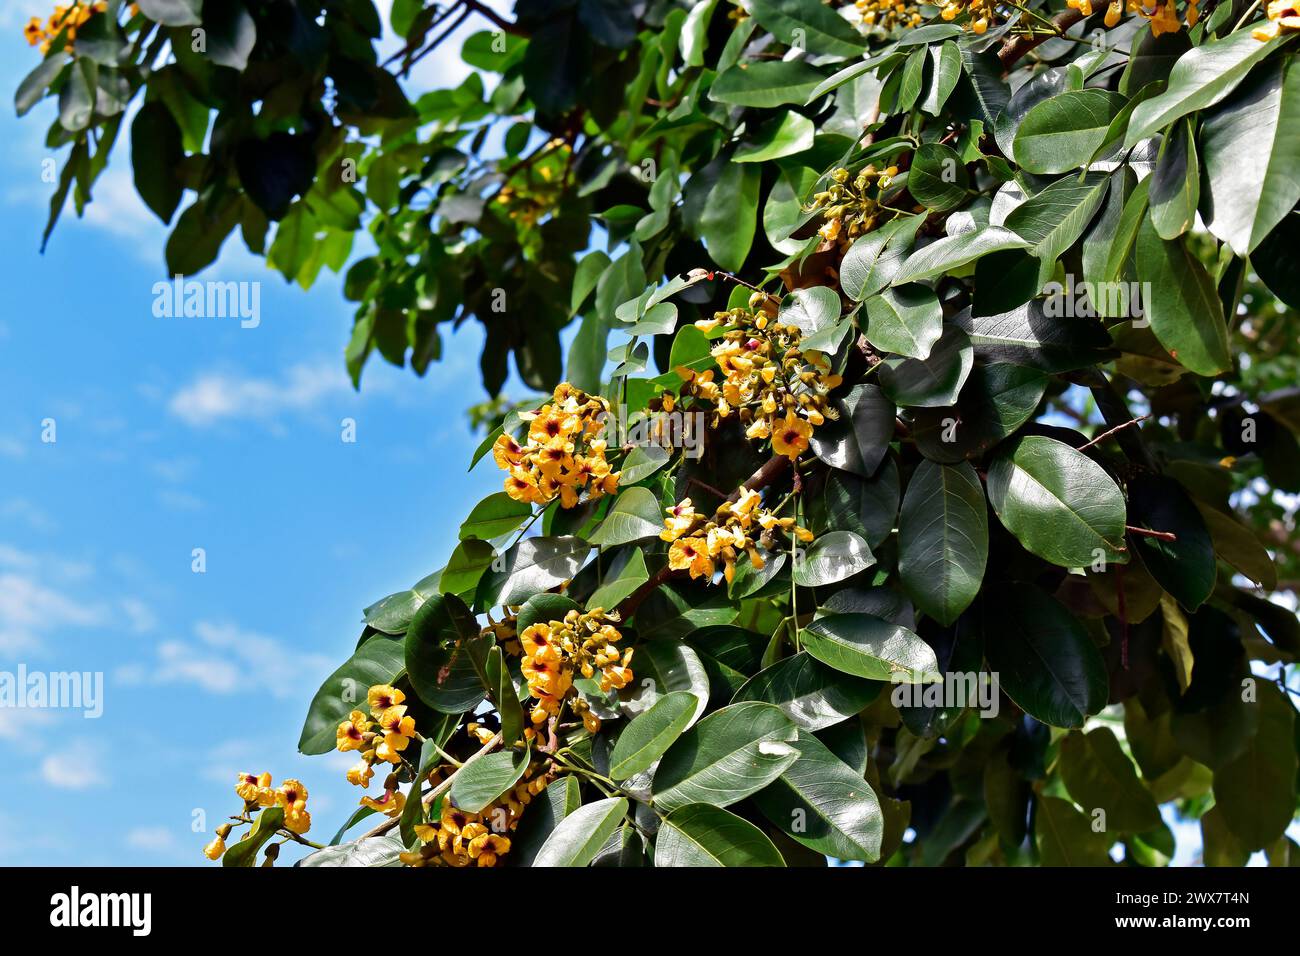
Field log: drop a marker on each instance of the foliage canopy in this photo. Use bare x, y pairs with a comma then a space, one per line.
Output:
962, 350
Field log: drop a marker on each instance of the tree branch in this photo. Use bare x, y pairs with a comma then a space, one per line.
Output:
440, 789
1013, 49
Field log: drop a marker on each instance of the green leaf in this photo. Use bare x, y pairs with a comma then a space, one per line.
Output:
866, 506
441, 647
1027, 336
646, 738
1176, 183
812, 309
636, 515
730, 754
1251, 145
477, 784
937, 178
495, 515
1059, 134
643, 461
857, 442
579, 836
532, 565
1239, 546
945, 72
812, 27
1257, 792
244, 853
765, 83
995, 401
502, 688
906, 320
371, 851
867, 646
465, 567
664, 667
1202, 77
32, 89
1185, 567
1066, 837
832, 558
943, 539
542, 609
933, 381
695, 32
380, 660
633, 574
172, 13
781, 136
730, 214
1053, 220
952, 252
1058, 502
811, 694
874, 259
824, 804
1044, 659
560, 798
698, 834
1183, 307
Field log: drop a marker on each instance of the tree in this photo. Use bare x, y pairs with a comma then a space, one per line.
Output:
960, 487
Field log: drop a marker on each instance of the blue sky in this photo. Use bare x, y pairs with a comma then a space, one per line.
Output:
175, 434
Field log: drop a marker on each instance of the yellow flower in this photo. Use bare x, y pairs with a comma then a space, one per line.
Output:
214, 849
790, 436
537, 643
507, 452
487, 847
381, 697
351, 733
35, 32
391, 803
680, 518
291, 795
298, 822
253, 788
360, 774
692, 554
427, 833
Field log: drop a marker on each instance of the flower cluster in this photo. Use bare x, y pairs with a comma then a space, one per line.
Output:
562, 456
63, 18
888, 14
983, 13
699, 542
459, 838
380, 736
1283, 17
257, 793
581, 643
776, 390
851, 208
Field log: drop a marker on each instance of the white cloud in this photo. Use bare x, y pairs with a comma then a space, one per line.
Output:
74, 768
226, 660
28, 609
140, 614
217, 396
151, 839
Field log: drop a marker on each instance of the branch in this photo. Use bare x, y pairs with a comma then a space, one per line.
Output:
437, 791
1106, 434
1013, 49
508, 25
1148, 533
1114, 409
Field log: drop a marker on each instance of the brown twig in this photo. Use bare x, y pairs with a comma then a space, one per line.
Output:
508, 25
437, 791
1106, 434
1013, 49
1148, 533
